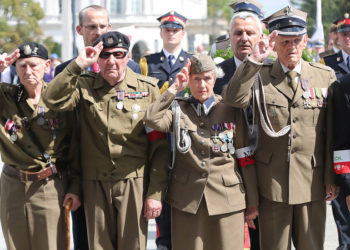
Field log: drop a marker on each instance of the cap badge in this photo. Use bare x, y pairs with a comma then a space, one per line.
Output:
35, 51
346, 15
162, 58
27, 50
181, 59
172, 12
338, 59
288, 11
246, 1
110, 40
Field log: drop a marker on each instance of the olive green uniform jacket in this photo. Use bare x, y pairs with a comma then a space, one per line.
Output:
202, 173
293, 168
24, 153
114, 143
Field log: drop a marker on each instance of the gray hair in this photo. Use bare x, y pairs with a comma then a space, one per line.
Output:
244, 15
218, 72
91, 7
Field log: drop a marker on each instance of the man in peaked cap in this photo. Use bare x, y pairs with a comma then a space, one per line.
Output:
340, 63
164, 66
123, 162
293, 100
40, 172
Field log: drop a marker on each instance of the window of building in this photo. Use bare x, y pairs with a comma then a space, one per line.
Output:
116, 6
136, 7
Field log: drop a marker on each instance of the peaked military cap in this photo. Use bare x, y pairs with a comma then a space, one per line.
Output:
343, 25
287, 21
114, 39
248, 5
32, 49
172, 19
201, 63
318, 43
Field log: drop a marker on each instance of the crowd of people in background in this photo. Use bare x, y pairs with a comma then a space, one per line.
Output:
230, 154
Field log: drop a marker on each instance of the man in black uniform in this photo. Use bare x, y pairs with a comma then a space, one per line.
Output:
340, 63
245, 31
164, 66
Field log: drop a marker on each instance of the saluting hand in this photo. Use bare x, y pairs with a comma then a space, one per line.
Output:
182, 78
7, 60
89, 55
264, 47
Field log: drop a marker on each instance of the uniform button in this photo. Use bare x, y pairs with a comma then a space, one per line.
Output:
186, 126
273, 102
204, 175
170, 78
294, 136
112, 116
202, 142
112, 145
201, 124
202, 152
295, 105
202, 133
203, 164
112, 130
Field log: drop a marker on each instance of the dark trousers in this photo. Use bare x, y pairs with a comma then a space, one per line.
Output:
163, 226
79, 229
341, 216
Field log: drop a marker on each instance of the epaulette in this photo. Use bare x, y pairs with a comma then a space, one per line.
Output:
148, 79
88, 73
320, 66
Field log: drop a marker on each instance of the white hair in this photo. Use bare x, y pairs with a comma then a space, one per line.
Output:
219, 73
244, 15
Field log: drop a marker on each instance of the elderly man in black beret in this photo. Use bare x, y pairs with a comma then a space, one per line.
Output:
123, 162
39, 174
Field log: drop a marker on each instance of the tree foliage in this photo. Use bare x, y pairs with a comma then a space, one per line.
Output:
331, 11
220, 8
19, 23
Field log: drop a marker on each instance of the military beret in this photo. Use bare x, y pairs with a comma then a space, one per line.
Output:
287, 21
249, 6
343, 25
201, 63
32, 49
172, 19
114, 39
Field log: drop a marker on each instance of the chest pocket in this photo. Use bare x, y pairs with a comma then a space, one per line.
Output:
277, 110
52, 119
94, 106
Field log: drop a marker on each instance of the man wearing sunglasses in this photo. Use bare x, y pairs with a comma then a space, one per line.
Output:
117, 150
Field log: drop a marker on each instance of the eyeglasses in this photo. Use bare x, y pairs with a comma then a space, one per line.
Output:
95, 27
116, 54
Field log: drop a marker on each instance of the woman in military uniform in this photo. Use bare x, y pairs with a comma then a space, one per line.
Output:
214, 178
38, 151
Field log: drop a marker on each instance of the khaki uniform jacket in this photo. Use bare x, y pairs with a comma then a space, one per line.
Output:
293, 168
24, 153
114, 143
201, 173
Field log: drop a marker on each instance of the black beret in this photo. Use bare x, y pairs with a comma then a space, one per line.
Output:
32, 49
114, 39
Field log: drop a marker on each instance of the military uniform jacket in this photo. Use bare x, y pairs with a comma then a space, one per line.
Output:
56, 134
293, 168
337, 63
114, 143
229, 68
202, 173
157, 65
342, 133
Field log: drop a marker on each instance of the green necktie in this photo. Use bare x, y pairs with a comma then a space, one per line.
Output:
293, 83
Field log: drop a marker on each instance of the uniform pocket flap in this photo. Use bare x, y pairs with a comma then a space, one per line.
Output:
186, 124
230, 180
263, 156
271, 99
182, 178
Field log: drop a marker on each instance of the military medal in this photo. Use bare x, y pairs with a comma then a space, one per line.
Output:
320, 103
223, 148
120, 98
324, 92
318, 93
304, 85
216, 148
312, 93
306, 94
231, 148
53, 133
135, 116
136, 108
215, 139
41, 112
222, 136
12, 129
13, 137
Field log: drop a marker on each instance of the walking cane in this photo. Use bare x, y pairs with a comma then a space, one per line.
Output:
67, 221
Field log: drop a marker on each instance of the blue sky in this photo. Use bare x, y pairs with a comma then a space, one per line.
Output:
271, 6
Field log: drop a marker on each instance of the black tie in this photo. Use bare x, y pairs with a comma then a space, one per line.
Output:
170, 59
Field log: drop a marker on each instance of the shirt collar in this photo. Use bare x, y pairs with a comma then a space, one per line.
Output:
297, 68
175, 54
237, 61
205, 106
345, 55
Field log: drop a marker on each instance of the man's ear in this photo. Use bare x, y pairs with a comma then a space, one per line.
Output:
78, 29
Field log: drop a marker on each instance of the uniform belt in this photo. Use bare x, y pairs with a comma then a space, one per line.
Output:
29, 176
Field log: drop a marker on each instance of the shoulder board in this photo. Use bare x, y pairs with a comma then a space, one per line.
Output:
182, 98
320, 66
147, 79
88, 73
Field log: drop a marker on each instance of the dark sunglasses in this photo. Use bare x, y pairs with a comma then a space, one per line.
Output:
116, 54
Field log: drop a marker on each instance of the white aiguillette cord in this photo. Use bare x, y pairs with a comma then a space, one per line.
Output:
266, 127
185, 144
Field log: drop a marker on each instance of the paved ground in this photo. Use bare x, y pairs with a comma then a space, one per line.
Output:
330, 243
